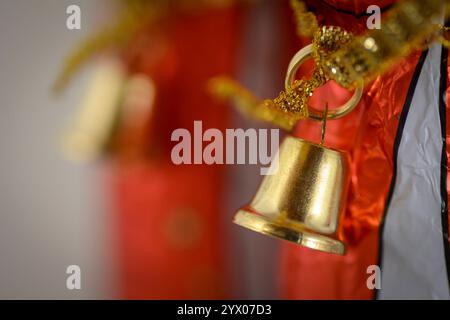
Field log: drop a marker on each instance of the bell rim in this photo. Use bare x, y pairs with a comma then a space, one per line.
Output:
256, 222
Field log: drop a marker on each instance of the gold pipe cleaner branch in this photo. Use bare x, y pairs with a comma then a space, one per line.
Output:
134, 15
306, 22
113, 36
227, 89
408, 27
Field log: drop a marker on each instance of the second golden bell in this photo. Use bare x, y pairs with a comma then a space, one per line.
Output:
303, 200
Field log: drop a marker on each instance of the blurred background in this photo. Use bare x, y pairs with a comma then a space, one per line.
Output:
91, 92
138, 226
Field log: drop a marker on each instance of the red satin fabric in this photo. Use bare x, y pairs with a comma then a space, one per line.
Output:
171, 239
356, 6
349, 14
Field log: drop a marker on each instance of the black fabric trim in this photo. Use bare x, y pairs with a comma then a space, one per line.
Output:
398, 137
444, 160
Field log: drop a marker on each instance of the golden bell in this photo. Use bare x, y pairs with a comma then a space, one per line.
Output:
303, 200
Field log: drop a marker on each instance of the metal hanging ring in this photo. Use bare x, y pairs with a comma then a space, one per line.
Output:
315, 114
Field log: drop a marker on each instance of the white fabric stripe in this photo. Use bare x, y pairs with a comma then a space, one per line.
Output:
413, 261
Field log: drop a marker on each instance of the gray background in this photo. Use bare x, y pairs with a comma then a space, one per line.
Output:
50, 213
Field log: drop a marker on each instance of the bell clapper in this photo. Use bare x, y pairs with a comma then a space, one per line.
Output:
324, 124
